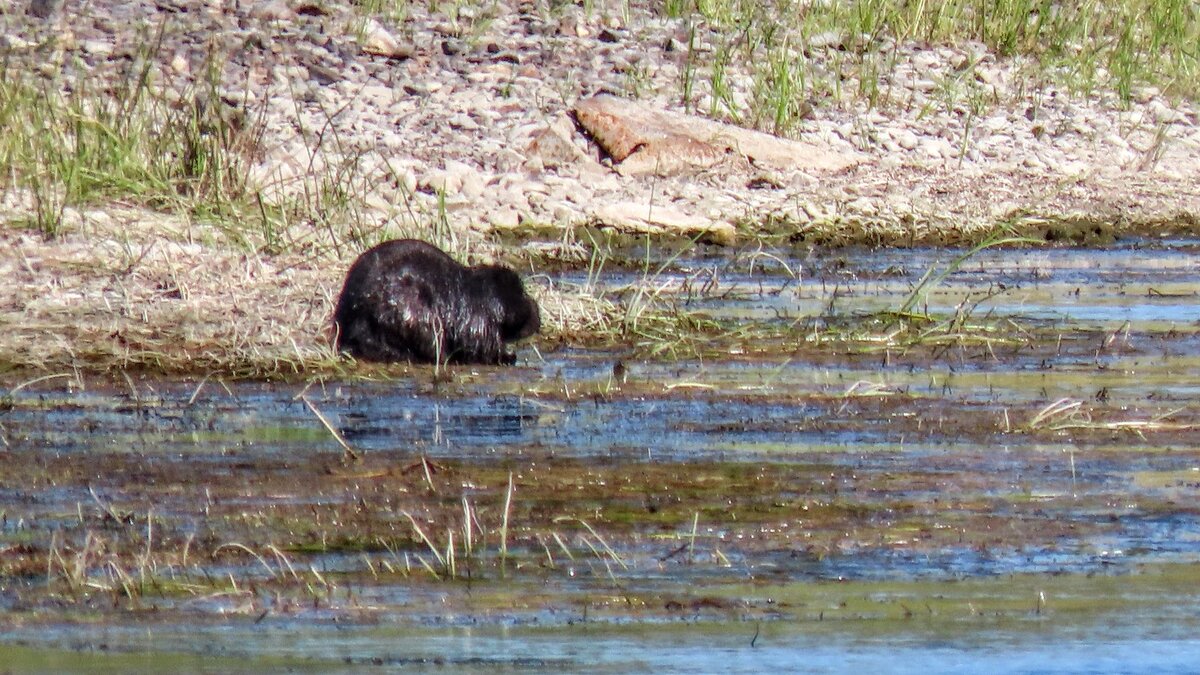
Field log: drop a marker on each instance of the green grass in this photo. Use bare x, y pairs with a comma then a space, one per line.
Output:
74, 143
138, 137
68, 143
656, 315
802, 53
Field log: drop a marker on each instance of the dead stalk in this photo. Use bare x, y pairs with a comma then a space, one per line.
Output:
421, 533
242, 547
336, 436
504, 524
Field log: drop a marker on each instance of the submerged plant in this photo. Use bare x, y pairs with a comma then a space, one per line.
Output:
934, 277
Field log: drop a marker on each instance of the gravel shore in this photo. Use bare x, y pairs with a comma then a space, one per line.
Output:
463, 119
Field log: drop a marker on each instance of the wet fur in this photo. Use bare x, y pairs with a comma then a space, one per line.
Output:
406, 300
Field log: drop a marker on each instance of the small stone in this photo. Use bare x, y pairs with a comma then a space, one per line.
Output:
473, 185
995, 124
906, 139
890, 162
1144, 95
376, 94
463, 178
646, 219
554, 145
1072, 168
936, 147
377, 41
577, 194
277, 10
422, 88
44, 9
324, 75
504, 218
99, 48
561, 214
407, 180
507, 159
1162, 113
463, 122
439, 181
816, 212
826, 40
765, 181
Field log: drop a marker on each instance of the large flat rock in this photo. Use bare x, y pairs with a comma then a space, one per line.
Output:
642, 139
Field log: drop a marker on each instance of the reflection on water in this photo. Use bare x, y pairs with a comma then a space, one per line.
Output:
1027, 645
1121, 497
1153, 283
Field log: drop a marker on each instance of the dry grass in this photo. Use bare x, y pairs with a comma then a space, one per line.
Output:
1071, 414
119, 299
134, 290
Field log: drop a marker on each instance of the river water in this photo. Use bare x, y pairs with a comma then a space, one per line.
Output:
1021, 499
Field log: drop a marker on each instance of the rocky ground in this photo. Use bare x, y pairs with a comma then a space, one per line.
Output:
463, 118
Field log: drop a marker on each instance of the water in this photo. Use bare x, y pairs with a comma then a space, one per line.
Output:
1026, 646
890, 509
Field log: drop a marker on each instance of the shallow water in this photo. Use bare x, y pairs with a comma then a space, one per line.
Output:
690, 648
769, 489
1153, 283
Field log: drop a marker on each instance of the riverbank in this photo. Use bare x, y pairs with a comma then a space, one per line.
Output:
239, 157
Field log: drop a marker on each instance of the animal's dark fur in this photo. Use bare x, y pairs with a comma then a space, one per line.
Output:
406, 300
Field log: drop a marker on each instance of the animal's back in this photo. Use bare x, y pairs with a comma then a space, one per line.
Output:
394, 301
408, 300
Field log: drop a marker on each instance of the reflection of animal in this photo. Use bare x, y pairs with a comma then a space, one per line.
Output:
406, 300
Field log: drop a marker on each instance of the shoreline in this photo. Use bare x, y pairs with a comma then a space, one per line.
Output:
458, 130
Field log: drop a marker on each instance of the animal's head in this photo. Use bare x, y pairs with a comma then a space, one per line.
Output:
518, 313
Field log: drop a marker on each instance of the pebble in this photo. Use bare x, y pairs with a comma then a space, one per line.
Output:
907, 139
378, 41
1163, 114
274, 10
477, 109
440, 181
473, 183
504, 218
101, 48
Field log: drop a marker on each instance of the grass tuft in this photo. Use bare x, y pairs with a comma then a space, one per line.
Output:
71, 142
801, 53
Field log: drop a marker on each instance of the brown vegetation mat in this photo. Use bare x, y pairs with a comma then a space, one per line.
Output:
143, 292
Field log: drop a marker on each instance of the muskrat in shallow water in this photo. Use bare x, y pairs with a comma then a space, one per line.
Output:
406, 300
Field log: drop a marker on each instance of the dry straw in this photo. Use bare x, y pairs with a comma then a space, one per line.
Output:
141, 291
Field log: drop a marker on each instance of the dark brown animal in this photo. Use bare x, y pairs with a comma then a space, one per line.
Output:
406, 300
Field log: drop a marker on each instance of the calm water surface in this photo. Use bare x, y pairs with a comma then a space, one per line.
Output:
733, 409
